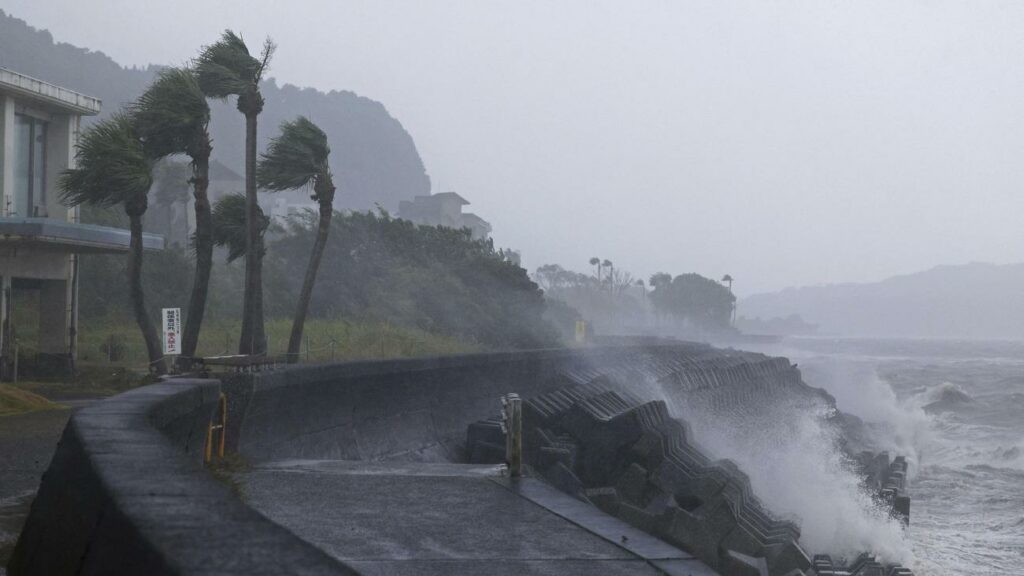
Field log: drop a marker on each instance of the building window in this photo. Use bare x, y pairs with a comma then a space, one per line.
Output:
29, 167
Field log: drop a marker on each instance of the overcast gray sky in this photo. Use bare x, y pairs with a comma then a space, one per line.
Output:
785, 143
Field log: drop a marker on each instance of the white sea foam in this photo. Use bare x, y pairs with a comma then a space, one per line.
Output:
797, 471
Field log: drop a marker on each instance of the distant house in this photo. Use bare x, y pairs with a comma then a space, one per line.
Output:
176, 222
40, 238
478, 227
223, 181
443, 209
281, 209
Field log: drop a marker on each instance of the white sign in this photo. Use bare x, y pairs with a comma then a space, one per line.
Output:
172, 330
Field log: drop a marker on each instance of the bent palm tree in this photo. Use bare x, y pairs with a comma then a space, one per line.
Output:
225, 68
298, 158
229, 226
595, 261
113, 168
172, 117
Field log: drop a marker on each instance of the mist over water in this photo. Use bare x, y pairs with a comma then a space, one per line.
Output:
953, 409
790, 452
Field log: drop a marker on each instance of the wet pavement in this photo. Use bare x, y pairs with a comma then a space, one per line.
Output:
439, 518
27, 442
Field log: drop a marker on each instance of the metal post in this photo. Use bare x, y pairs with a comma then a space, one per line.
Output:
513, 416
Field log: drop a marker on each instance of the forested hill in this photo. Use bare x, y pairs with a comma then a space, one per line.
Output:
374, 159
966, 301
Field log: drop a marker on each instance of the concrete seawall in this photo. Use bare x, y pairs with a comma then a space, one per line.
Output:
414, 409
126, 491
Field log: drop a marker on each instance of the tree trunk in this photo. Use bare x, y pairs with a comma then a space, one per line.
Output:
204, 259
323, 228
153, 347
253, 339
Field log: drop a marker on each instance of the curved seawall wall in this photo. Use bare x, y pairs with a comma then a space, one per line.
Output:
126, 491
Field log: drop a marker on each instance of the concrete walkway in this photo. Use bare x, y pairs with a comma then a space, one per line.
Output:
27, 442
438, 518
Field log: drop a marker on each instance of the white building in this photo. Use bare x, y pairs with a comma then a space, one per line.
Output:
39, 237
443, 209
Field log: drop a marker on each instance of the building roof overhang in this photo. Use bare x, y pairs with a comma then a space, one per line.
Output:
70, 237
447, 196
48, 95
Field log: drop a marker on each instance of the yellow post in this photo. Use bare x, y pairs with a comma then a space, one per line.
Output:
223, 424
208, 453
581, 331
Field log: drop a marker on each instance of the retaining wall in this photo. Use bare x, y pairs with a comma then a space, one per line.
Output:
125, 493
414, 409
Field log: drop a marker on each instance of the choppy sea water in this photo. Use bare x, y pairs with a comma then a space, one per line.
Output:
956, 409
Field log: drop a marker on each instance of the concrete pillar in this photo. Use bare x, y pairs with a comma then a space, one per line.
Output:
53, 317
6, 154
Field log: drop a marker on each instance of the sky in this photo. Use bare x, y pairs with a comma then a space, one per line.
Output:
784, 143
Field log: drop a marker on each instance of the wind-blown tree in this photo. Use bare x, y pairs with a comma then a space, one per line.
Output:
225, 68
696, 301
230, 230
173, 117
298, 158
113, 168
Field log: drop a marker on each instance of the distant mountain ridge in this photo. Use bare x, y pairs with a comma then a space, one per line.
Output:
374, 159
977, 300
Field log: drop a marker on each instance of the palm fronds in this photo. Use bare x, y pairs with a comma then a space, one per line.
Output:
295, 158
172, 114
112, 167
225, 68
229, 224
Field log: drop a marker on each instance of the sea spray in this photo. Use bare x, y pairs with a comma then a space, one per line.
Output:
897, 426
796, 468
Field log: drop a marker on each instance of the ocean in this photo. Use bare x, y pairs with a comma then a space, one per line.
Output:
956, 410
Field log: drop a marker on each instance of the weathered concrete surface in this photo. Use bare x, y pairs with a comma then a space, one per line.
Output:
415, 409
125, 494
401, 518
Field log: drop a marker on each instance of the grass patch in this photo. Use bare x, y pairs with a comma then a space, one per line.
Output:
14, 400
110, 342
226, 470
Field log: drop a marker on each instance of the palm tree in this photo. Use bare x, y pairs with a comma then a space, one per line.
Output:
659, 279
298, 158
172, 117
225, 68
728, 280
595, 261
611, 274
113, 168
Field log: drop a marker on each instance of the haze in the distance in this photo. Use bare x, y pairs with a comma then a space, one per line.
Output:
785, 143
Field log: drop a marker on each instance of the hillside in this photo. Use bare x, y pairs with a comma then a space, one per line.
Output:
965, 301
374, 159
